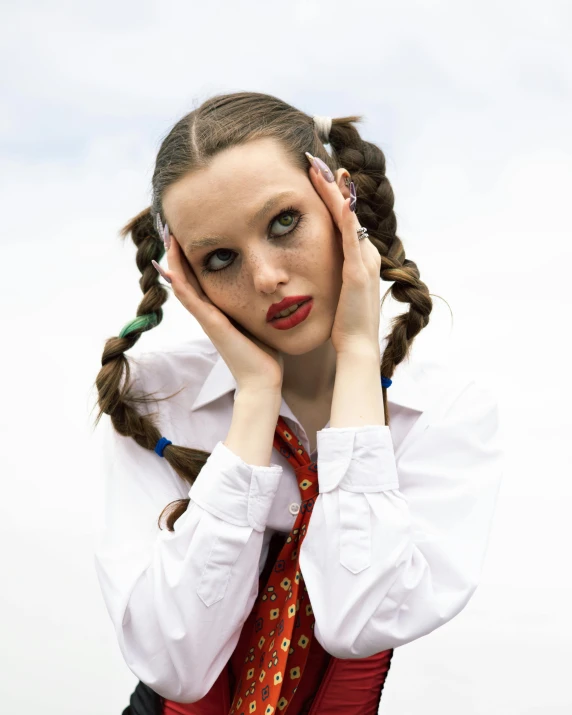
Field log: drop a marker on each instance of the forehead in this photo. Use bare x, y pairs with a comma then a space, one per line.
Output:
237, 180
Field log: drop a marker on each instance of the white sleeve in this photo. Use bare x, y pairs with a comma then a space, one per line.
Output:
178, 600
395, 548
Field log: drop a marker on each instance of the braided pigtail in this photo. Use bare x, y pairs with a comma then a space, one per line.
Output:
366, 164
115, 395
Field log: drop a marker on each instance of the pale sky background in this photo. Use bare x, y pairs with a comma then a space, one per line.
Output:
472, 104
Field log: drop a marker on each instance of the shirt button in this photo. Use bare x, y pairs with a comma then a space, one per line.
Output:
294, 508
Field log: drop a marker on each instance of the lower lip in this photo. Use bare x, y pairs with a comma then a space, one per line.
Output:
300, 314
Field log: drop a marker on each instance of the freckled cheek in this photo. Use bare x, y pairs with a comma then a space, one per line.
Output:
227, 301
325, 251
230, 297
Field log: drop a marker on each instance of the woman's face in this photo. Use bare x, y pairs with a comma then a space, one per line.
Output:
268, 246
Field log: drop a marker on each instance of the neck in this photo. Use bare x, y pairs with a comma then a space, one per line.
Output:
311, 375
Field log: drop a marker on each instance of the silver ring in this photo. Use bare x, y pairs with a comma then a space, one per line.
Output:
362, 233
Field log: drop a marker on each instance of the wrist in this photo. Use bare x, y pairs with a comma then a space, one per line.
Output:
268, 394
254, 418
362, 353
358, 397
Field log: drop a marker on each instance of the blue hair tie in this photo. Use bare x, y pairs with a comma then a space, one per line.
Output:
385, 381
160, 446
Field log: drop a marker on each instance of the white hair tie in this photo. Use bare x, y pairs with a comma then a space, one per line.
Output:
323, 125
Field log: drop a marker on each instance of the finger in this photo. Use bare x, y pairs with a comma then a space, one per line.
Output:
181, 272
161, 271
359, 250
323, 180
349, 227
345, 219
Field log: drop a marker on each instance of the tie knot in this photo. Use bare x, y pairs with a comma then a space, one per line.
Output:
305, 469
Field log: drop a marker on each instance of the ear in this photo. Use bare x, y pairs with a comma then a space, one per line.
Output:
342, 175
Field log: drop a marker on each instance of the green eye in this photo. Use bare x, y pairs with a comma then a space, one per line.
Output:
286, 220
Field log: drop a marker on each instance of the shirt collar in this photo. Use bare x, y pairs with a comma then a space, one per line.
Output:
405, 389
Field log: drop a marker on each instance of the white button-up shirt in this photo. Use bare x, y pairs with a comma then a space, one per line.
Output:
395, 544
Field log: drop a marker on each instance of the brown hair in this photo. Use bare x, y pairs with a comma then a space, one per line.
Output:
228, 120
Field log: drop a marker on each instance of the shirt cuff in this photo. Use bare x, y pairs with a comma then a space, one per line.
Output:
239, 493
357, 459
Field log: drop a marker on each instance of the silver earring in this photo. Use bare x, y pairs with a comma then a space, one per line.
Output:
348, 180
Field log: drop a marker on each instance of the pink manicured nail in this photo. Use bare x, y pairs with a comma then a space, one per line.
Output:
353, 196
325, 170
312, 160
319, 165
166, 238
161, 271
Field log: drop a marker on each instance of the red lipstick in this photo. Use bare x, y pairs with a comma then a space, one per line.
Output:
285, 303
300, 314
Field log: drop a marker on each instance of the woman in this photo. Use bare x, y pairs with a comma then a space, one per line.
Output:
314, 523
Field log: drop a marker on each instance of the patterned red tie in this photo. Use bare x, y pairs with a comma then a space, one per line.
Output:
284, 621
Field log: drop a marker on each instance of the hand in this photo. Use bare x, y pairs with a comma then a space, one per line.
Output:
252, 363
356, 323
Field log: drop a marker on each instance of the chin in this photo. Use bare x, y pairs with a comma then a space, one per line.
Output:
310, 341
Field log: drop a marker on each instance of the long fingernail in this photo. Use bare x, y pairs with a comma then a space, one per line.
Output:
353, 196
319, 165
325, 169
166, 237
161, 271
312, 160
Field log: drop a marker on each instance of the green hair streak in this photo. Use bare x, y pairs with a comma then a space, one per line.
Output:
142, 323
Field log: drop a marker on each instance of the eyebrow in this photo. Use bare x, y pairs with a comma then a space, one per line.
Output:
208, 241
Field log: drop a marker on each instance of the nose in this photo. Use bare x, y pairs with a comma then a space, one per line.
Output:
267, 272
